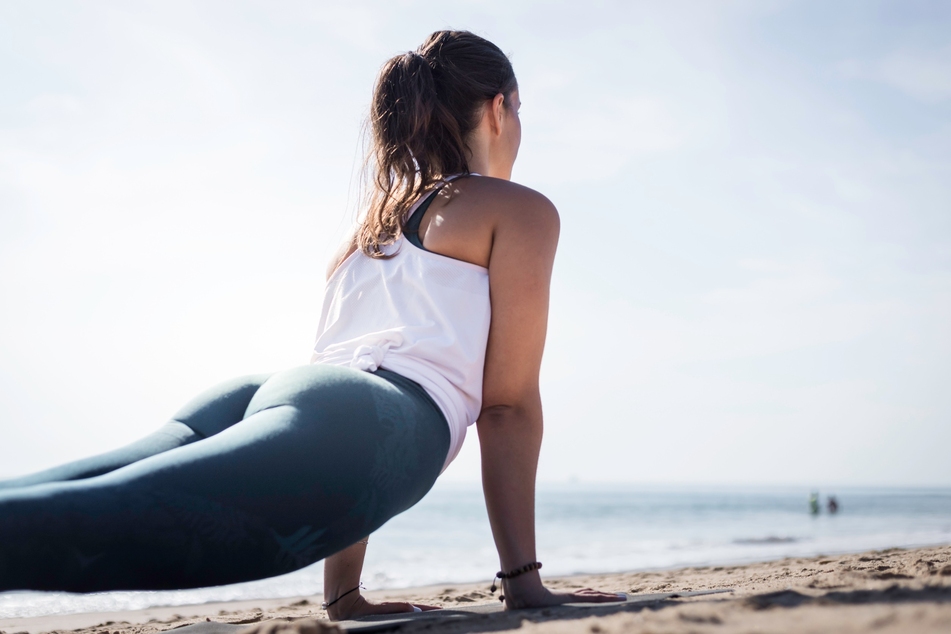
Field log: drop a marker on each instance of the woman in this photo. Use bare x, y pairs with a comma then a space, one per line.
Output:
263, 475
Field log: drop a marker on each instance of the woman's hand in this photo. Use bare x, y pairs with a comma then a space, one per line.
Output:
527, 591
360, 606
342, 587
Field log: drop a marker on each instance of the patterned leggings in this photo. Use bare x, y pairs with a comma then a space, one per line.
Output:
256, 477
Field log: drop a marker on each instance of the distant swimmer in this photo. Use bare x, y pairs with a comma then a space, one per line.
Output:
814, 503
832, 505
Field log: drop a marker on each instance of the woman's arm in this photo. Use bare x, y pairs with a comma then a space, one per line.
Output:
341, 574
510, 424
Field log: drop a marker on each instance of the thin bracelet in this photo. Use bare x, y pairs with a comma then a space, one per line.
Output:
535, 565
326, 605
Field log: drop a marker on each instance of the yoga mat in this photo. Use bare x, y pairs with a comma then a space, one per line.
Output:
391, 622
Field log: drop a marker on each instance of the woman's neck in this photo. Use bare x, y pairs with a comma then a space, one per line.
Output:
480, 158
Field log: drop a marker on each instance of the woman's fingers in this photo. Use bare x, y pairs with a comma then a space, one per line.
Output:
388, 607
396, 607
587, 595
366, 608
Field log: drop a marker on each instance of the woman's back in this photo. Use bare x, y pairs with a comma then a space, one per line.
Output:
423, 311
415, 312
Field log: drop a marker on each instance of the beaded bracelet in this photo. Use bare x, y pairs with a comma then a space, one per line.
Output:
535, 565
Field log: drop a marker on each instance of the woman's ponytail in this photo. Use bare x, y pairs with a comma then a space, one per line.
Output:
424, 106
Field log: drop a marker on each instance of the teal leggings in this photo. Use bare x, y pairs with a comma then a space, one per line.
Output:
256, 477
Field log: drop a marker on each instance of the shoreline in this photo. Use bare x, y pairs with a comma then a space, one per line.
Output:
899, 589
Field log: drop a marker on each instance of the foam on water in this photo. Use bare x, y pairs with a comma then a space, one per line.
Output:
582, 528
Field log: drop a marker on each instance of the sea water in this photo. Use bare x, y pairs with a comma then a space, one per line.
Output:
584, 528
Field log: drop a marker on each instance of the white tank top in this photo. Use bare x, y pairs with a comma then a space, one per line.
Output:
422, 315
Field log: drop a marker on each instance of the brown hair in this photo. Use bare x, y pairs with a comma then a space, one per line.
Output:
425, 104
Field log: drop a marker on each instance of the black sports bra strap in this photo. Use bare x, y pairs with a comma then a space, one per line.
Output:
411, 230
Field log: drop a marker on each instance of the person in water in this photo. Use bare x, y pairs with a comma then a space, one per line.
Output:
434, 318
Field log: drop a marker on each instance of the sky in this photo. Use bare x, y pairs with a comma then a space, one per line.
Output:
753, 283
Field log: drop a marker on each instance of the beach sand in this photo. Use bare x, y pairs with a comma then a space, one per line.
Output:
895, 590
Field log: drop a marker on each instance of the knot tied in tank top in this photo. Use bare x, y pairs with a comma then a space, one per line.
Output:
369, 357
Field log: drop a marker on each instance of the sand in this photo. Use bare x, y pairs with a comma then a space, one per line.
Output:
895, 590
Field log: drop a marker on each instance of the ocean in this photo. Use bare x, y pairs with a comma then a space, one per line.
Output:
584, 528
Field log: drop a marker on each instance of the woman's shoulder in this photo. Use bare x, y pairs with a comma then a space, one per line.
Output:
473, 215
505, 200
502, 217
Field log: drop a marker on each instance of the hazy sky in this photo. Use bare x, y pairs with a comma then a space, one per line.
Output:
754, 277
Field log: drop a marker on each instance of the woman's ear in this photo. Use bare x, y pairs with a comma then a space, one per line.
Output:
496, 112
